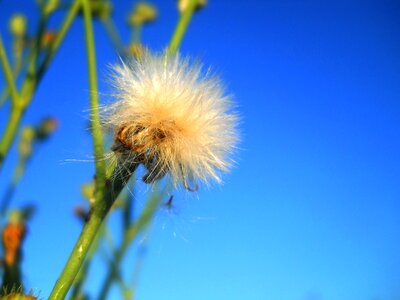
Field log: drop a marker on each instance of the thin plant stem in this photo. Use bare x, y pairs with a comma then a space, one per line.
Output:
18, 54
113, 34
12, 186
10, 131
130, 235
104, 197
77, 256
136, 34
6, 91
4, 96
8, 74
73, 11
181, 27
30, 84
137, 268
97, 134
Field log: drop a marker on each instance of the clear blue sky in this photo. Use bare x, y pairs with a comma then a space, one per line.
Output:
311, 212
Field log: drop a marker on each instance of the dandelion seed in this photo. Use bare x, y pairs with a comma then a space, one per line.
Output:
173, 118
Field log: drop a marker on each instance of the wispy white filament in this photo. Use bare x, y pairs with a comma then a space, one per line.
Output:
172, 96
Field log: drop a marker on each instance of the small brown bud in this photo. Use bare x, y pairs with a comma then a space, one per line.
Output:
46, 128
48, 39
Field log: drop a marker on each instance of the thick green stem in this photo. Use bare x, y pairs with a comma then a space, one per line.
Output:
77, 289
181, 27
136, 34
78, 254
99, 212
21, 102
6, 91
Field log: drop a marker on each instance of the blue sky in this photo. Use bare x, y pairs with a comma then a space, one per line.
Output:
312, 209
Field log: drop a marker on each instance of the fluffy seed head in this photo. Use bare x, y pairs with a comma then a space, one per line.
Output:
172, 117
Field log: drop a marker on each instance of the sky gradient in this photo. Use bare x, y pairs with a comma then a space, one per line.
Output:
310, 212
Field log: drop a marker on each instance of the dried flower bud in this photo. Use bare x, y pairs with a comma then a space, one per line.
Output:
46, 128
48, 39
136, 50
183, 4
13, 235
17, 25
81, 213
142, 13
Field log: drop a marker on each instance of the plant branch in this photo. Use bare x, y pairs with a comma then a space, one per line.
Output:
31, 82
97, 133
73, 11
10, 132
181, 27
113, 34
115, 184
104, 195
8, 73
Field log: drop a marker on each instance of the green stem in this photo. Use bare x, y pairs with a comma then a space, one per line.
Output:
73, 11
22, 101
136, 34
137, 268
77, 256
129, 236
12, 186
181, 27
8, 73
113, 34
18, 54
80, 279
10, 131
104, 197
98, 213
6, 92
97, 134
30, 84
